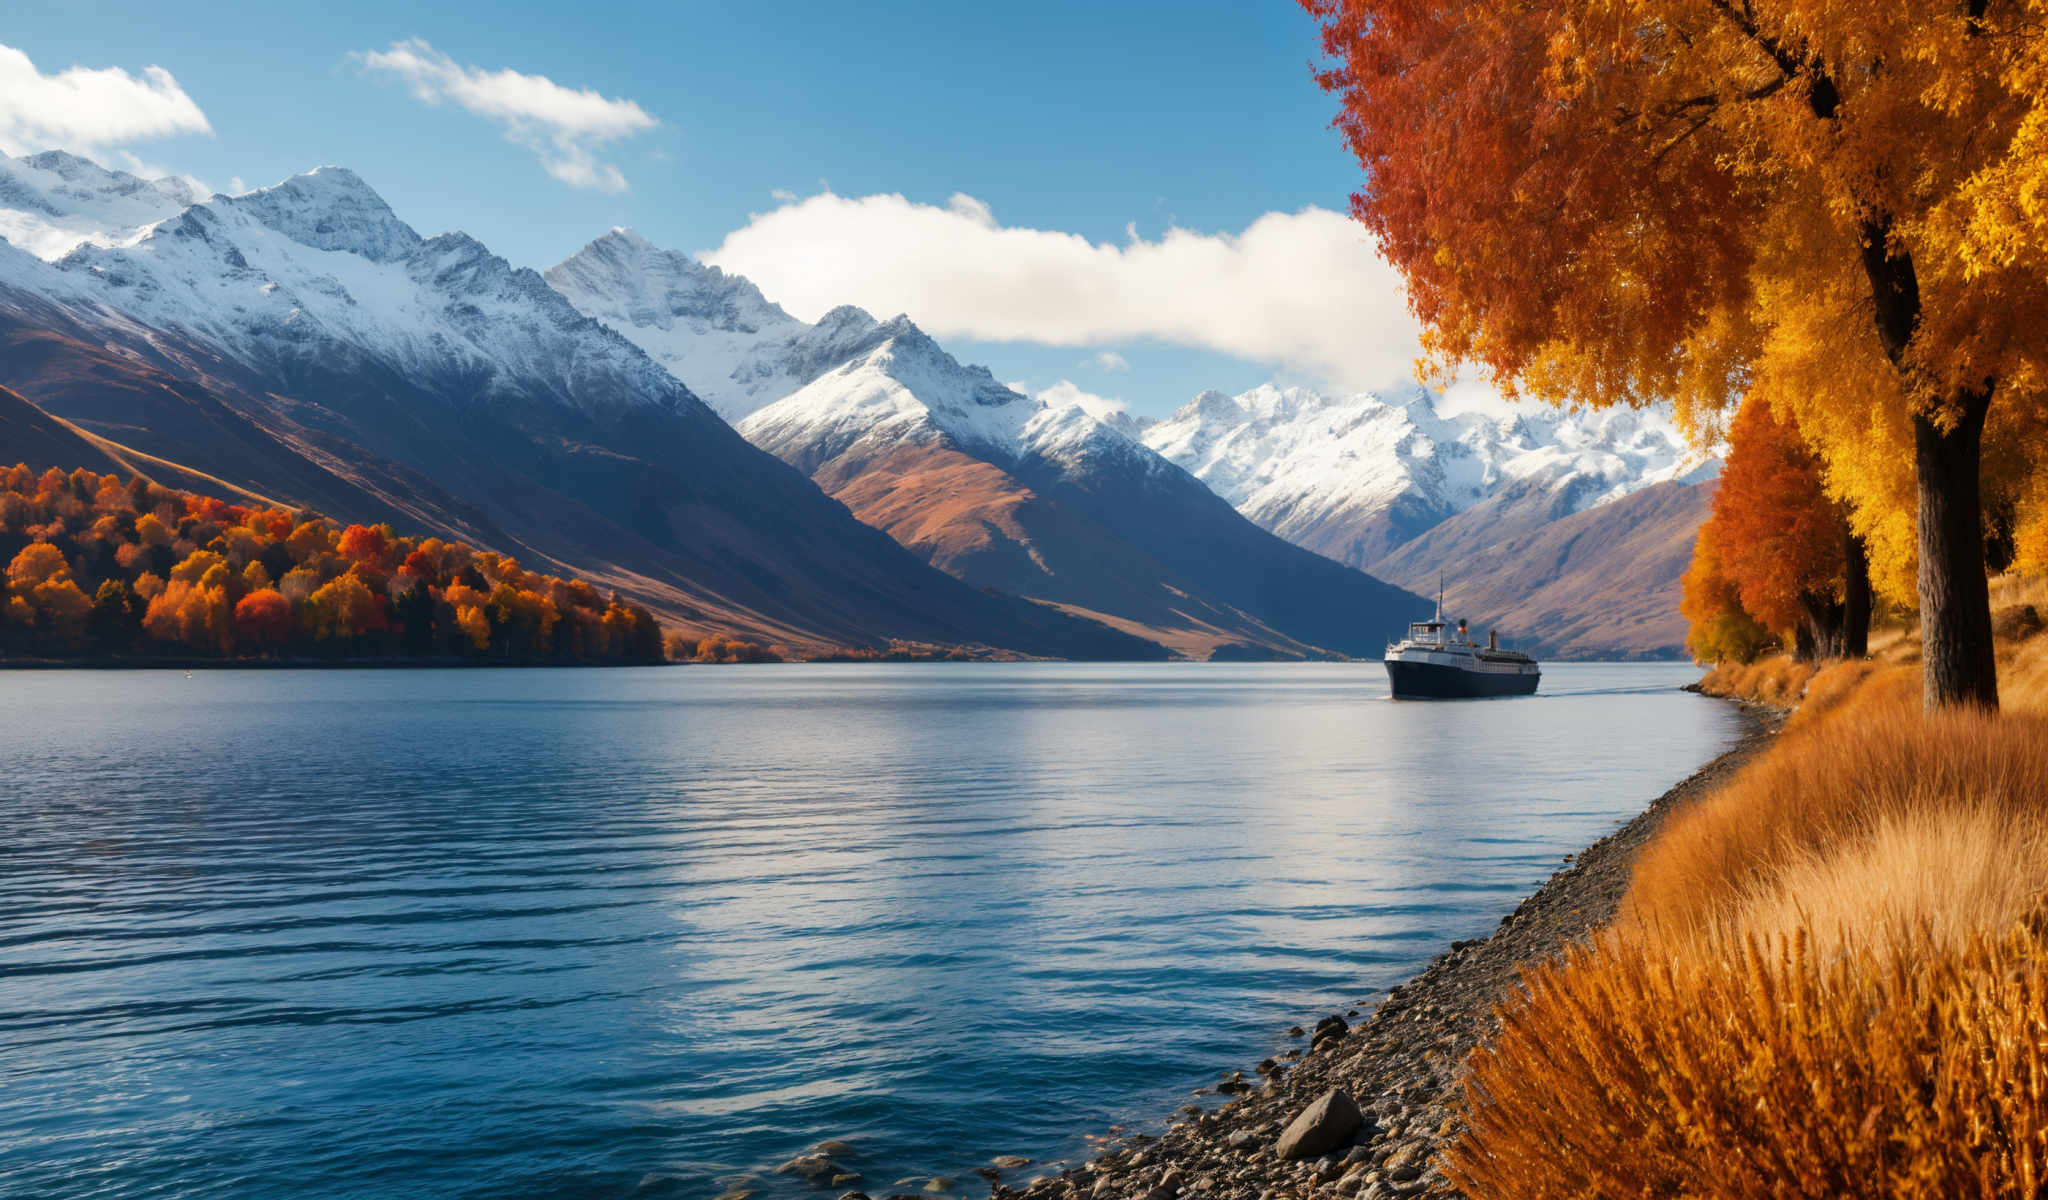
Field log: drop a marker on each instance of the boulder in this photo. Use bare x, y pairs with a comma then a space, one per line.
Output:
1321, 1127
812, 1168
1010, 1162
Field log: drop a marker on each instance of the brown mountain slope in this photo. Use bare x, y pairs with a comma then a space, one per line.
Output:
1598, 584
976, 521
668, 505
30, 435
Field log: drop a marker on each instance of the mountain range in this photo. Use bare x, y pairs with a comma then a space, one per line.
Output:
303, 343
1532, 522
661, 426
996, 487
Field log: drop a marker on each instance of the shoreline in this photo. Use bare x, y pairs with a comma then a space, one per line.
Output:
300, 664
1401, 1065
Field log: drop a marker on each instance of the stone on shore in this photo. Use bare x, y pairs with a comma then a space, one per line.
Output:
812, 1168
1321, 1127
1010, 1162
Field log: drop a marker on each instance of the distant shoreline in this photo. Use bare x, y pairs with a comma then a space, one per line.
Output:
297, 664
1402, 1065
301, 664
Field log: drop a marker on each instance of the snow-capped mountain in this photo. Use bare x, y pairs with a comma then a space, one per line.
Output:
1046, 500
54, 202
716, 332
319, 272
304, 343
902, 388
1357, 476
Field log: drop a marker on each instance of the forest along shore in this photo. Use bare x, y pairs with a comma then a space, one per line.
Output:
1363, 1111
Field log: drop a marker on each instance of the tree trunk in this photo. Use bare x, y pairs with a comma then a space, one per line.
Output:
1823, 635
1955, 599
1802, 642
1855, 595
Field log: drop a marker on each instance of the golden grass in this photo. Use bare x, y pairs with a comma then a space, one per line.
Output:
1825, 798
1778, 680
1777, 1073
1826, 979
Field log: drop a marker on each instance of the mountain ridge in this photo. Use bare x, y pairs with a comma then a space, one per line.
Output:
304, 339
998, 488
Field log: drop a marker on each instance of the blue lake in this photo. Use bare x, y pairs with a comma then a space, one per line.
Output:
651, 932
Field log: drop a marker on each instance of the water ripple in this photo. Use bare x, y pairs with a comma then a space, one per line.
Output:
643, 933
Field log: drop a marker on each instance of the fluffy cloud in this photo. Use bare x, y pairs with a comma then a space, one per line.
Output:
1305, 292
1110, 360
563, 126
87, 109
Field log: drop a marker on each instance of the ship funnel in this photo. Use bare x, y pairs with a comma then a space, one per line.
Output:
1493, 639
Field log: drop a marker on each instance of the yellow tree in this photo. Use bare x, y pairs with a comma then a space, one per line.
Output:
1835, 204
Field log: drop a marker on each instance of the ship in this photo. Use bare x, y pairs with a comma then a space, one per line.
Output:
1435, 663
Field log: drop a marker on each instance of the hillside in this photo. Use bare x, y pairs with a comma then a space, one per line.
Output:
1602, 583
101, 566
1394, 487
303, 342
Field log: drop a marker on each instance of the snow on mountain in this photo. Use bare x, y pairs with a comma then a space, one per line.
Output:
1356, 476
54, 202
904, 389
808, 392
716, 332
318, 271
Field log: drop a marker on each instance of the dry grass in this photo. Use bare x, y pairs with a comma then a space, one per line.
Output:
1777, 1073
1826, 979
1778, 680
1826, 797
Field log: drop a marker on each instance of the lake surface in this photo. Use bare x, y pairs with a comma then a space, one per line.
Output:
650, 932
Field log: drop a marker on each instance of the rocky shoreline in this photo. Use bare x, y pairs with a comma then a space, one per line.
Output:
1361, 1110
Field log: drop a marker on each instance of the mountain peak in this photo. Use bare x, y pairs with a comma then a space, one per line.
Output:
845, 317
53, 202
331, 208
1354, 476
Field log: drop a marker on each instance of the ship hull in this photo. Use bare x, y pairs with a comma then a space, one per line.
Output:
1437, 681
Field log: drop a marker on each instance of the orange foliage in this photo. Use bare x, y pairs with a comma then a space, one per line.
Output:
1778, 538
194, 574
263, 619
1718, 629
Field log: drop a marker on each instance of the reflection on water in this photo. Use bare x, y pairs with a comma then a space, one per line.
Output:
637, 933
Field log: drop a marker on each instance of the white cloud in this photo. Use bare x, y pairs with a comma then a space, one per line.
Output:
1304, 292
87, 109
1065, 393
563, 126
782, 196
1110, 360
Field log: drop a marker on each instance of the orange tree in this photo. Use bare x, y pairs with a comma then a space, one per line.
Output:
1838, 204
1784, 544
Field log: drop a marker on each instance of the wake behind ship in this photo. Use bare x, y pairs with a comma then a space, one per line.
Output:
1432, 663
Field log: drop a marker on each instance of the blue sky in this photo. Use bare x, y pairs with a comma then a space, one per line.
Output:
1113, 122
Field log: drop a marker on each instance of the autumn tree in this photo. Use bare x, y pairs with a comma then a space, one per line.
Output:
1784, 544
40, 582
1718, 628
1835, 205
196, 574
263, 620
